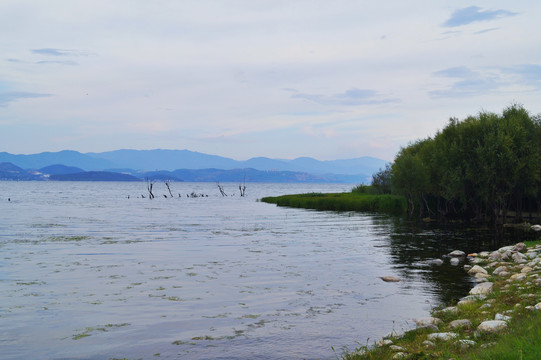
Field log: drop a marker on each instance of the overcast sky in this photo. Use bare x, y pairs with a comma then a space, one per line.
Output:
245, 78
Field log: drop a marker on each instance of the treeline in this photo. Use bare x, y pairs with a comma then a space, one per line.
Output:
485, 168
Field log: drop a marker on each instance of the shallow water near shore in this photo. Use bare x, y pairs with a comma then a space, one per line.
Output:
88, 273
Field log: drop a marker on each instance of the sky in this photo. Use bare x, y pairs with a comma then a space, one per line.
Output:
245, 78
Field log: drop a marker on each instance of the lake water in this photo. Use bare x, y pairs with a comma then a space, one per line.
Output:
88, 273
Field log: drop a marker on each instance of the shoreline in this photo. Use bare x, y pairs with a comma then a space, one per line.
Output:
507, 291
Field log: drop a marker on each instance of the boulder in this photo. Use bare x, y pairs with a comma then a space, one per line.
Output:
457, 253
442, 336
519, 258
461, 323
518, 277
520, 247
454, 261
492, 326
499, 269
482, 289
421, 322
476, 269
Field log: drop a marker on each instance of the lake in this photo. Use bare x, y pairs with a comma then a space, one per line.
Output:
94, 271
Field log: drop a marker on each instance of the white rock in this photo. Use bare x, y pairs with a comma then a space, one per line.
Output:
484, 254
502, 317
518, 277
436, 262
426, 321
428, 344
442, 336
520, 247
461, 323
537, 306
519, 258
454, 261
492, 326
464, 344
476, 269
396, 348
526, 270
450, 310
457, 253
499, 269
399, 355
505, 248
384, 342
536, 227
482, 289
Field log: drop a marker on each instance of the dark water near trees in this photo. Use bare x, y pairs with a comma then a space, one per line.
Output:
86, 273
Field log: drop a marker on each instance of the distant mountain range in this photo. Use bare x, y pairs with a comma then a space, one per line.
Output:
182, 165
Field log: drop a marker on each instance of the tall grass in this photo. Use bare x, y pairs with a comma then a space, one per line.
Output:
354, 201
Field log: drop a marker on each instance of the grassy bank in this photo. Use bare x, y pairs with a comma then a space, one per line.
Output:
389, 204
515, 299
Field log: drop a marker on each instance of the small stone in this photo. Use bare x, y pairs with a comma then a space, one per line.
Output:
436, 262
499, 269
384, 342
506, 255
482, 289
492, 326
485, 306
467, 267
504, 274
457, 253
450, 310
484, 254
396, 348
399, 355
465, 302
537, 306
461, 323
465, 344
442, 336
454, 261
495, 256
502, 317
536, 227
389, 278
426, 321
487, 345
526, 269
428, 344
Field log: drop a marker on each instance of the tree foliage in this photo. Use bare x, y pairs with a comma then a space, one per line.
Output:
481, 168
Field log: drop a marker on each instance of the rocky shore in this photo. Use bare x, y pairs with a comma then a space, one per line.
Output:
508, 283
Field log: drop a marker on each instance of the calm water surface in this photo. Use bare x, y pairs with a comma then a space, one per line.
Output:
88, 273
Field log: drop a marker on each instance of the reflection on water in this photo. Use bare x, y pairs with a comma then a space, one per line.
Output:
87, 273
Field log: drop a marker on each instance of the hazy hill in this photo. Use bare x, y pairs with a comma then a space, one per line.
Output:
65, 157
135, 162
94, 176
59, 169
8, 171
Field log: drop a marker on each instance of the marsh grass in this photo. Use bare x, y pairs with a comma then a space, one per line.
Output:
353, 201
